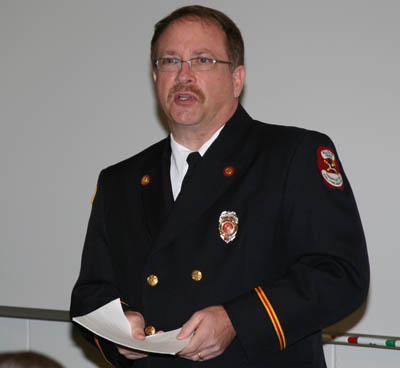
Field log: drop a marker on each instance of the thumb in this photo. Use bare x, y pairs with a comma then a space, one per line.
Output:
188, 328
138, 333
137, 323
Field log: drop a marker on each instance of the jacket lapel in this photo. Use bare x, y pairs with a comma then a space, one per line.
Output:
157, 193
208, 182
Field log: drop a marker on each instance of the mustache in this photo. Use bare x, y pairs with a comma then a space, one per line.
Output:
180, 88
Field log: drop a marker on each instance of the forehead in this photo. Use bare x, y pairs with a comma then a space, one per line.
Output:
191, 35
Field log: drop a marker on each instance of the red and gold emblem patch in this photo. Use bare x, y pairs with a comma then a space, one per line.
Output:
329, 168
228, 226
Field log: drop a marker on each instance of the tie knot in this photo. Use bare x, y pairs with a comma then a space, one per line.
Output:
193, 159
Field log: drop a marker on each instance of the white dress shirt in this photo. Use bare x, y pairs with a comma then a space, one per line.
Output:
179, 165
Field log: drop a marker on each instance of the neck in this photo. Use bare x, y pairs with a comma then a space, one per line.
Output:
194, 136
191, 139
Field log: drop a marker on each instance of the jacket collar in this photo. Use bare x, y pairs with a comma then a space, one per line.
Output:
206, 185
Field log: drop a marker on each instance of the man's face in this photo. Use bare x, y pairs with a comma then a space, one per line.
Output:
206, 98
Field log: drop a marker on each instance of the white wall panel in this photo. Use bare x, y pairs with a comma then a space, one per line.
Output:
13, 334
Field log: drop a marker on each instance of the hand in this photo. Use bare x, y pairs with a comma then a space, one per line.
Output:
136, 321
212, 333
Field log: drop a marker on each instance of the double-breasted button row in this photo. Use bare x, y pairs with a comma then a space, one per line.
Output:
152, 279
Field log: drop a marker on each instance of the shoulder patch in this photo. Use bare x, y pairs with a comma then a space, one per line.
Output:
329, 167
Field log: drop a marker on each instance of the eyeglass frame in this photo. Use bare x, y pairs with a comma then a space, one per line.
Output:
189, 61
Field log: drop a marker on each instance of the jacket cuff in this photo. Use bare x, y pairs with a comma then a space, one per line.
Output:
256, 323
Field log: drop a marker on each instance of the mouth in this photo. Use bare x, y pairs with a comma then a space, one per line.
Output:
184, 98
186, 95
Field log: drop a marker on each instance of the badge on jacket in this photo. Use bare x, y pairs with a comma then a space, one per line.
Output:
228, 226
329, 168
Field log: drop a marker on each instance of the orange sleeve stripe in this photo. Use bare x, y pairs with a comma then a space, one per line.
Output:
272, 316
94, 196
96, 340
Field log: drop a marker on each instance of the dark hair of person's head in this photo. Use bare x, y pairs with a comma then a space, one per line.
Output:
234, 40
27, 359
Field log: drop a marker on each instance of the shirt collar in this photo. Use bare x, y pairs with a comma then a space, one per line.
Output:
180, 153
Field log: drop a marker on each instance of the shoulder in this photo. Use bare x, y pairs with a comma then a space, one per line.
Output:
286, 139
149, 156
287, 133
261, 134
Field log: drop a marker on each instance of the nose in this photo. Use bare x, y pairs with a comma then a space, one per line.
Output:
185, 74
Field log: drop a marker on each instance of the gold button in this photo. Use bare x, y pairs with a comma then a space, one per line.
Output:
152, 280
150, 330
197, 275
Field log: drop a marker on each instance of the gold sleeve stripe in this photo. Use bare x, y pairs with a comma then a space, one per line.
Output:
96, 340
94, 195
124, 303
272, 316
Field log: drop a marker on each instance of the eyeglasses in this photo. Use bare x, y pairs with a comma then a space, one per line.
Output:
197, 64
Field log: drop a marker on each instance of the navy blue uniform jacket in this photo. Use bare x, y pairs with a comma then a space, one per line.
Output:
298, 262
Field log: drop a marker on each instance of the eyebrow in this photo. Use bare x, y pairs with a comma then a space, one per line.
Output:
203, 51
195, 53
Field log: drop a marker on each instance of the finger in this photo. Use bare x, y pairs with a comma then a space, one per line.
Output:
193, 357
129, 353
138, 333
212, 335
203, 356
198, 357
189, 327
195, 344
137, 323
133, 356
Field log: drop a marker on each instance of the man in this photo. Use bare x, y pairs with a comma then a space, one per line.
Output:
256, 251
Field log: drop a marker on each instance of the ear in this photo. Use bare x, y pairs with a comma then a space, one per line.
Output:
239, 76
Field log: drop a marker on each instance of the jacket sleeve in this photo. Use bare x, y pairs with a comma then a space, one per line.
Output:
96, 285
327, 275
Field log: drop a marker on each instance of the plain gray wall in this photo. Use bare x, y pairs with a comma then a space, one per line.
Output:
76, 96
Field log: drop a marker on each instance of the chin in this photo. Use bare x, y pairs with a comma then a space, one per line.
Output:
184, 122
185, 118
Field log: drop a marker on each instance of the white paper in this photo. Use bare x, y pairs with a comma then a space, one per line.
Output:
109, 322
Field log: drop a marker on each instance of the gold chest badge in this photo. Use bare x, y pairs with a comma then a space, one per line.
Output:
228, 226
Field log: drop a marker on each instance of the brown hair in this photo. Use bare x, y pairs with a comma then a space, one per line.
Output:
234, 40
27, 359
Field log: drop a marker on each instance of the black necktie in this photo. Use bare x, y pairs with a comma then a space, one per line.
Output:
192, 160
